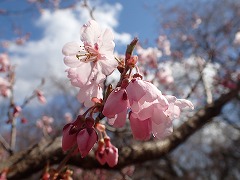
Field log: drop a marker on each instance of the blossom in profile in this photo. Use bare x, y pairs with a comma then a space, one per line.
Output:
116, 106
91, 56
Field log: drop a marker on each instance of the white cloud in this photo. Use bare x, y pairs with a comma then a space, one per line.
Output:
43, 57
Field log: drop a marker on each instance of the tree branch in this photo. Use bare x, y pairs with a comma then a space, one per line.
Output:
24, 163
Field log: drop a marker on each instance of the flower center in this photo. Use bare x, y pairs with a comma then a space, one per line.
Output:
87, 54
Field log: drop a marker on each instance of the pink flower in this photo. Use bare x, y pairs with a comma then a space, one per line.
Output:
162, 122
94, 56
116, 106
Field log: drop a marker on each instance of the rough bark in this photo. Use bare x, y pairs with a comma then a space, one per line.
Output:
34, 159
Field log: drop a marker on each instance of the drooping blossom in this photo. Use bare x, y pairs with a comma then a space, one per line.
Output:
151, 112
94, 55
116, 107
80, 132
107, 153
162, 125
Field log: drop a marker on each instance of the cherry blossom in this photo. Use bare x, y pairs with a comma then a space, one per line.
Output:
116, 112
94, 55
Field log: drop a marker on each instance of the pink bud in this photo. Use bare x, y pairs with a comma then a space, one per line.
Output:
68, 140
86, 139
111, 153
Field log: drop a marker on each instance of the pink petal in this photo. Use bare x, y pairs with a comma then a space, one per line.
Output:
173, 111
136, 90
107, 45
86, 139
115, 103
163, 129
71, 48
84, 73
108, 64
118, 120
141, 129
86, 94
72, 61
158, 116
146, 111
90, 32
183, 103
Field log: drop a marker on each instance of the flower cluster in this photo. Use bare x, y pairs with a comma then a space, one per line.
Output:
148, 110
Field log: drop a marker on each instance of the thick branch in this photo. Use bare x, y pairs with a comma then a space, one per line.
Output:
32, 160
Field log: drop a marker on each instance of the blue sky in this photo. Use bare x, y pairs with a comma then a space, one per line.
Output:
135, 17
41, 57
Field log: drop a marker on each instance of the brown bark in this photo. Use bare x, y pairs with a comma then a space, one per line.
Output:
34, 159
